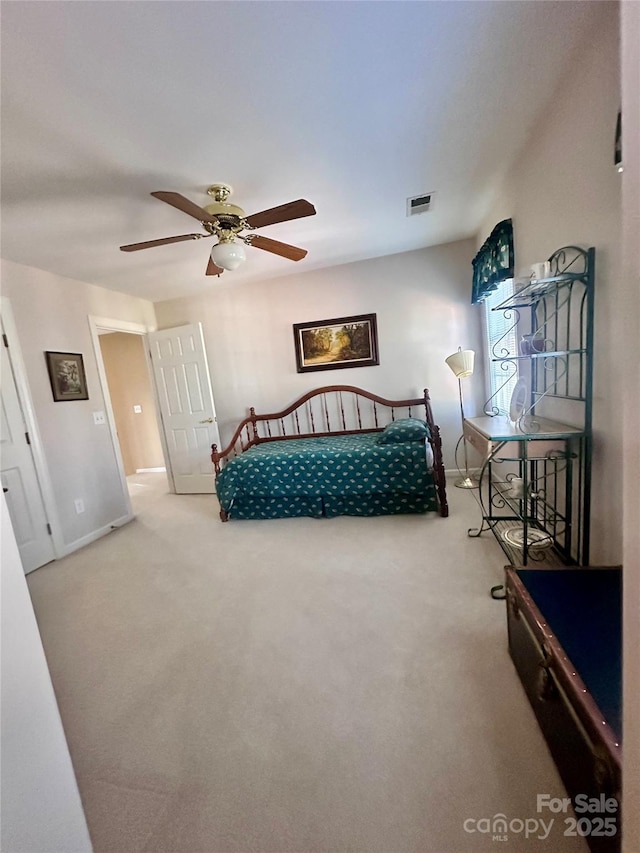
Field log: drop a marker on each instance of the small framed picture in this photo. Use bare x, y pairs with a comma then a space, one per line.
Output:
66, 374
332, 344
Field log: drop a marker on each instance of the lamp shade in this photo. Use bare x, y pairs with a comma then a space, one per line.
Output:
461, 363
228, 255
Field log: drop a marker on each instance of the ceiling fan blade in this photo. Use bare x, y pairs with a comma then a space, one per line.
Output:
134, 247
282, 213
293, 253
213, 269
186, 206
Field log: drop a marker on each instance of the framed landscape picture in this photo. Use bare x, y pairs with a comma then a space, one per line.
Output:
66, 374
337, 343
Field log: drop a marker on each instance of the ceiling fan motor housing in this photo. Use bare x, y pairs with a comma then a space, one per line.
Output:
229, 215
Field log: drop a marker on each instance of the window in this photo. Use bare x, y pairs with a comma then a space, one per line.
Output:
502, 341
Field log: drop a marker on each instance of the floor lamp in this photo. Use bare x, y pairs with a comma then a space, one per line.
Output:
461, 364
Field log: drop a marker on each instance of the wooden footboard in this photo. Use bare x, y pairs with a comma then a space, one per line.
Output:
335, 410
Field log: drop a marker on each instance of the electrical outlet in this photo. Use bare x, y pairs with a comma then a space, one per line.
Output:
99, 418
137, 410
79, 505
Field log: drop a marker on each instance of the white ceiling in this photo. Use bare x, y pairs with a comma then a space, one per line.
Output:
352, 105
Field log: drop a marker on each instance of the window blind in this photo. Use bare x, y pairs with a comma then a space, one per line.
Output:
502, 341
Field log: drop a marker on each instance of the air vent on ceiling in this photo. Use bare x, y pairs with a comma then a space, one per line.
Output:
419, 204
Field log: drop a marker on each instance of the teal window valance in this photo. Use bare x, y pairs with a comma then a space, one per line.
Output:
494, 261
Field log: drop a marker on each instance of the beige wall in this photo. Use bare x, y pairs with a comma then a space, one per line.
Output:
563, 190
626, 317
41, 808
422, 302
51, 313
129, 385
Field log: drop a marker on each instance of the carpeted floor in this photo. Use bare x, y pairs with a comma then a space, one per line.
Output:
291, 685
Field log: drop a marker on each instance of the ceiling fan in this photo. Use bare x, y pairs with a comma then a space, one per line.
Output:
225, 221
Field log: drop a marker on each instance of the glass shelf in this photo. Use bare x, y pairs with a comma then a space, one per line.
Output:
502, 429
546, 393
537, 289
549, 558
547, 354
558, 456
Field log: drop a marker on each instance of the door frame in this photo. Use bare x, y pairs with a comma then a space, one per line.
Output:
28, 412
106, 324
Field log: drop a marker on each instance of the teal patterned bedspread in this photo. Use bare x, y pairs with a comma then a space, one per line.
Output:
343, 465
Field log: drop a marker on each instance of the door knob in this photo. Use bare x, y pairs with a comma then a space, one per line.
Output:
207, 421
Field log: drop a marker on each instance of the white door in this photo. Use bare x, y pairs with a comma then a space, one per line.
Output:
19, 478
186, 405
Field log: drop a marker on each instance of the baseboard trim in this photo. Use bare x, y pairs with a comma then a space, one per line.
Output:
151, 470
453, 472
95, 534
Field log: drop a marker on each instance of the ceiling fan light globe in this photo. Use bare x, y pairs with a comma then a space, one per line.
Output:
229, 256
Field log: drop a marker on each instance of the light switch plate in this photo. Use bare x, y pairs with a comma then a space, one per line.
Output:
99, 418
137, 410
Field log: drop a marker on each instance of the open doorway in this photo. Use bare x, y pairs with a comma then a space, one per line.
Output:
127, 385
177, 374
134, 409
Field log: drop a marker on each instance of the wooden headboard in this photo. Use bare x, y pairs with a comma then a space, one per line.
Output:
333, 410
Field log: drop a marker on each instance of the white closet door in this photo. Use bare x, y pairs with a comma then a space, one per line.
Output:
19, 478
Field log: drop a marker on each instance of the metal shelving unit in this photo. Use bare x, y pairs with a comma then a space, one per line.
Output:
547, 450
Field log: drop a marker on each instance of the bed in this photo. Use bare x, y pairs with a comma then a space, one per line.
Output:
338, 450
